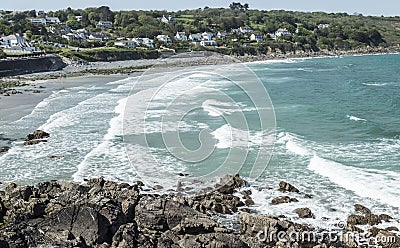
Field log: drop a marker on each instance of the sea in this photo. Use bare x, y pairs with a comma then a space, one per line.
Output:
330, 126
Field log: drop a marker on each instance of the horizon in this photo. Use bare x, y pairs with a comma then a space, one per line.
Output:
368, 8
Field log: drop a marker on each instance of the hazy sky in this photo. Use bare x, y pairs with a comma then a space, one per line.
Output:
366, 7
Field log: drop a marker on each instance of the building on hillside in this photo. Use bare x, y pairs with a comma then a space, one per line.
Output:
40, 13
98, 37
281, 32
207, 36
164, 38
144, 41
323, 25
44, 20
104, 25
126, 43
196, 37
83, 33
245, 30
166, 19
1, 16
72, 37
222, 35
181, 36
17, 43
256, 37
208, 43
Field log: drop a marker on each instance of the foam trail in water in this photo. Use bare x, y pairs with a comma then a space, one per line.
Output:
375, 184
354, 118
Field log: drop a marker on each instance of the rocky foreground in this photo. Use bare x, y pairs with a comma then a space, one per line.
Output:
102, 213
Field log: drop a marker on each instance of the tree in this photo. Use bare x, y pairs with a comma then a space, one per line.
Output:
2, 54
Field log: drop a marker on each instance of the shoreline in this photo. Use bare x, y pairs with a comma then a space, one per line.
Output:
100, 213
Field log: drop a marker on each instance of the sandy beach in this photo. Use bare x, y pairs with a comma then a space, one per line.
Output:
16, 106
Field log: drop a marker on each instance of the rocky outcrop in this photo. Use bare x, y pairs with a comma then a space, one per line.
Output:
304, 213
102, 213
287, 187
30, 65
38, 136
283, 199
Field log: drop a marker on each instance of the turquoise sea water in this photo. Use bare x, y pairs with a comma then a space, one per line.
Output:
337, 132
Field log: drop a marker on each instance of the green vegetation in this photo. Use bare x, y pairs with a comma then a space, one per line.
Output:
2, 55
340, 31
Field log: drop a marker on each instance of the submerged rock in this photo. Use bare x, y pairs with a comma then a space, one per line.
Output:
304, 213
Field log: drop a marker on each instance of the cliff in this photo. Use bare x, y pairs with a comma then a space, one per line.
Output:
30, 65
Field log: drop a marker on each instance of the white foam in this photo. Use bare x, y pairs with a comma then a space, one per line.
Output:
354, 118
376, 184
375, 84
229, 137
292, 143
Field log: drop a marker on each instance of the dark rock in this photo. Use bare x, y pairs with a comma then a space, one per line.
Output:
304, 212
308, 196
229, 183
362, 209
34, 142
4, 149
283, 199
249, 202
385, 217
357, 220
37, 134
392, 228
287, 187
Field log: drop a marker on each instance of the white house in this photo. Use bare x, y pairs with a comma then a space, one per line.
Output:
222, 34
98, 37
72, 36
83, 33
44, 20
256, 37
40, 13
126, 43
78, 18
208, 43
196, 37
144, 41
104, 25
1, 16
207, 36
52, 20
245, 30
17, 43
323, 25
164, 38
281, 32
181, 36
37, 20
167, 19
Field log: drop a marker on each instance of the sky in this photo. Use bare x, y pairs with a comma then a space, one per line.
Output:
365, 7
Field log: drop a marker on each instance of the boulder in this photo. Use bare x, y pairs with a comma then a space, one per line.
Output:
283, 199
4, 149
37, 135
304, 212
362, 209
287, 187
34, 142
229, 183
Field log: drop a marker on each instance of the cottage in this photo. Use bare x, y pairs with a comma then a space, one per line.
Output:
144, 41
208, 43
196, 37
323, 25
281, 32
207, 36
83, 33
1, 16
181, 36
40, 13
164, 38
222, 34
44, 20
71, 37
256, 37
104, 25
17, 43
126, 43
98, 37
245, 30
167, 19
